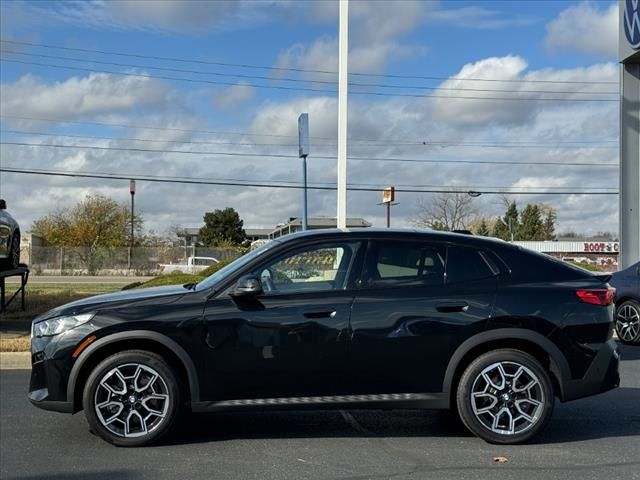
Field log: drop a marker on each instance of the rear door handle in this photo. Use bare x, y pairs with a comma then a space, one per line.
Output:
452, 307
327, 314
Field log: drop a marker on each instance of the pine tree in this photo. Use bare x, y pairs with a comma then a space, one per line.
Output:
550, 223
531, 225
507, 226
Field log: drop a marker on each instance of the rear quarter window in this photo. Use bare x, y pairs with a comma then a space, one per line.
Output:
527, 265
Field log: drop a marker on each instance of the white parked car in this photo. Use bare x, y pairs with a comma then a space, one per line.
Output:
193, 265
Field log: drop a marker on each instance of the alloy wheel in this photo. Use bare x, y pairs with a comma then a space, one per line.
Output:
628, 323
131, 400
507, 398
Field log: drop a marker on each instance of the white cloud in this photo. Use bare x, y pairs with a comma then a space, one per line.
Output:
234, 95
478, 17
173, 14
81, 97
491, 104
585, 28
376, 30
385, 122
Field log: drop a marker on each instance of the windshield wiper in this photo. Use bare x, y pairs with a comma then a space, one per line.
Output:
190, 286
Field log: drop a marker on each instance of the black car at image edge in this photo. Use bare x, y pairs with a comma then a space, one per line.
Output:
338, 319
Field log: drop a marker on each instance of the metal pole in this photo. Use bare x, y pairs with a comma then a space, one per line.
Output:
132, 191
132, 195
388, 214
629, 164
305, 218
343, 63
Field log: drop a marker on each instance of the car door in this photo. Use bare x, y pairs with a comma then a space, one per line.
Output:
417, 302
291, 340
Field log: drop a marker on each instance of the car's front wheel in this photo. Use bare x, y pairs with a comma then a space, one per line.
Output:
628, 322
132, 398
505, 396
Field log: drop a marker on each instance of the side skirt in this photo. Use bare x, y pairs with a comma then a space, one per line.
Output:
437, 401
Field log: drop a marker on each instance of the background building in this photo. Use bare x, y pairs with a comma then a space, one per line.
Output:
601, 254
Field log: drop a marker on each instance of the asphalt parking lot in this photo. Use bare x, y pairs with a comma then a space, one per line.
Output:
594, 438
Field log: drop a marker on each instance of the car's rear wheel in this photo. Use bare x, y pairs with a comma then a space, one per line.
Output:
505, 396
628, 322
132, 398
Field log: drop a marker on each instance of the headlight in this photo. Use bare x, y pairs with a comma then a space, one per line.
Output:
57, 325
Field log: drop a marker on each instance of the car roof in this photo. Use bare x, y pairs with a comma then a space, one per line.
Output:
399, 232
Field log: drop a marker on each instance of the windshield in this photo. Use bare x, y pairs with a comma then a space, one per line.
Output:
234, 266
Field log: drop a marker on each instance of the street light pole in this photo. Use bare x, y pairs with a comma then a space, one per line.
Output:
132, 191
303, 152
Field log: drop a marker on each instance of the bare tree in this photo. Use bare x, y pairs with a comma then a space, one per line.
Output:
446, 211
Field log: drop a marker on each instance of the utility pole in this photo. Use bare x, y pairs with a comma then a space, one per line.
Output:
343, 75
132, 191
303, 152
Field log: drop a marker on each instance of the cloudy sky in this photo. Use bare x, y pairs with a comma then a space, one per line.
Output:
487, 96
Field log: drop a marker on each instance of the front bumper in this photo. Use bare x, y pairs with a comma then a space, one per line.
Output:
601, 376
39, 398
51, 365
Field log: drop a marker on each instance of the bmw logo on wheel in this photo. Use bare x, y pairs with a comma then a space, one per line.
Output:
632, 22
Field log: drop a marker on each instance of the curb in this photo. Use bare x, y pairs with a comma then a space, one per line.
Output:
15, 361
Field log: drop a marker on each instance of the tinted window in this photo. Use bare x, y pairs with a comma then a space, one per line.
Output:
465, 264
405, 263
310, 269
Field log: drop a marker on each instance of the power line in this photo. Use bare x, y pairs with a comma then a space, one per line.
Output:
305, 89
151, 127
376, 186
297, 80
301, 70
195, 142
203, 181
249, 134
150, 140
274, 155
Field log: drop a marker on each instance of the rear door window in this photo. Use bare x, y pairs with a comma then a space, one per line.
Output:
405, 263
466, 264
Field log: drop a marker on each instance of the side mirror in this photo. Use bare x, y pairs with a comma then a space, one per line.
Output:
3, 204
247, 286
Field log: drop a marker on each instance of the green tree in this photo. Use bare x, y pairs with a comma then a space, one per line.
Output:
483, 229
222, 227
531, 224
507, 225
96, 224
96, 221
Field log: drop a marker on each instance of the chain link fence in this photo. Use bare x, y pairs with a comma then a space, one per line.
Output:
113, 261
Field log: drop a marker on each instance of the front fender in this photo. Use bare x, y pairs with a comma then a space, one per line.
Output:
192, 374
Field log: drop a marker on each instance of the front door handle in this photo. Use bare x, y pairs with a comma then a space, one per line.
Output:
326, 314
452, 307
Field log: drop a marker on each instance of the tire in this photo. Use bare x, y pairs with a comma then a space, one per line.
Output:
512, 414
628, 322
13, 255
116, 411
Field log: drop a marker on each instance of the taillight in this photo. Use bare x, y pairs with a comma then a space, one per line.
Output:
599, 296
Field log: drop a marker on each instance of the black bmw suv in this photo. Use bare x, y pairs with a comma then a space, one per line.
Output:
363, 318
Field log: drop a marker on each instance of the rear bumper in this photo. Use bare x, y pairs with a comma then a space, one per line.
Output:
601, 376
